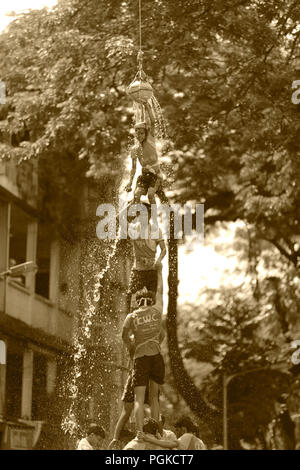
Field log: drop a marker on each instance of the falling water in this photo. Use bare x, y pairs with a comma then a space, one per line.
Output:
81, 337
160, 121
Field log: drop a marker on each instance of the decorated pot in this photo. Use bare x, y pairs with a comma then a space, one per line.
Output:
140, 91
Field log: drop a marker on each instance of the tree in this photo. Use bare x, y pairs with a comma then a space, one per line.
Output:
184, 382
246, 330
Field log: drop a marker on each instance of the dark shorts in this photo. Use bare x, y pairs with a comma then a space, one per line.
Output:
141, 279
128, 393
148, 368
146, 180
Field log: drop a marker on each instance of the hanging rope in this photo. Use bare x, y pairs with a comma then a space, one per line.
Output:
140, 53
140, 23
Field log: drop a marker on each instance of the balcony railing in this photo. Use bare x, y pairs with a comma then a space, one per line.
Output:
36, 311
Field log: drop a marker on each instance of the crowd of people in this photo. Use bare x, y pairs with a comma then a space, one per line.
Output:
155, 436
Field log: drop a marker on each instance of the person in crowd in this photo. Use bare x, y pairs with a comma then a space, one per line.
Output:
188, 434
93, 440
141, 334
149, 439
165, 434
188, 439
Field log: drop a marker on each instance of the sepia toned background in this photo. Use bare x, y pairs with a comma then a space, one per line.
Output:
223, 73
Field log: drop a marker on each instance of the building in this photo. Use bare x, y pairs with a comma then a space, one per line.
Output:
38, 315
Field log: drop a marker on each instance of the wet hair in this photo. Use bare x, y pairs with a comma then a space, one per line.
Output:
186, 422
150, 426
97, 430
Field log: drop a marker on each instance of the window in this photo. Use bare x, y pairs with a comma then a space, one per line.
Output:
18, 239
13, 394
42, 280
39, 390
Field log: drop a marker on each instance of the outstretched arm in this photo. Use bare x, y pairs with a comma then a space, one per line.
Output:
163, 252
126, 332
132, 172
162, 335
159, 292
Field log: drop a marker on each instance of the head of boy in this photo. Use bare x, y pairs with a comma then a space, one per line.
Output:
95, 435
150, 426
185, 425
141, 131
145, 297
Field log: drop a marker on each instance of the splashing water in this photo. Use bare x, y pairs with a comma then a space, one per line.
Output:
159, 121
80, 339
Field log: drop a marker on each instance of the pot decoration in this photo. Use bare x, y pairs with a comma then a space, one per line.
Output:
140, 91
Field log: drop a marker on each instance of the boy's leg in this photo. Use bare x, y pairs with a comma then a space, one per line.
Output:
161, 193
151, 197
124, 417
138, 193
128, 405
154, 399
139, 407
156, 375
151, 280
140, 381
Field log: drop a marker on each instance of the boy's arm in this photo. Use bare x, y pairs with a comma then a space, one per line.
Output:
163, 252
159, 292
160, 442
162, 335
132, 172
126, 331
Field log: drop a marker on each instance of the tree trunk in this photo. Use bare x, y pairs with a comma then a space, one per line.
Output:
184, 383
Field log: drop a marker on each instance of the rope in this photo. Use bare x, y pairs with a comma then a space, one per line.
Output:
140, 53
140, 23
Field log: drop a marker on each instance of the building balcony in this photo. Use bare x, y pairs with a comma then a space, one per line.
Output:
21, 181
35, 312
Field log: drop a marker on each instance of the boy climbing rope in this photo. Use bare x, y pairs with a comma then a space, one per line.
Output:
146, 261
145, 325
150, 181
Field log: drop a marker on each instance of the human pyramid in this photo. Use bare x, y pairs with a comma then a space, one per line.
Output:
143, 330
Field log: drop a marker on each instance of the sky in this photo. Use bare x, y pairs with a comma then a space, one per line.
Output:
19, 6
200, 266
